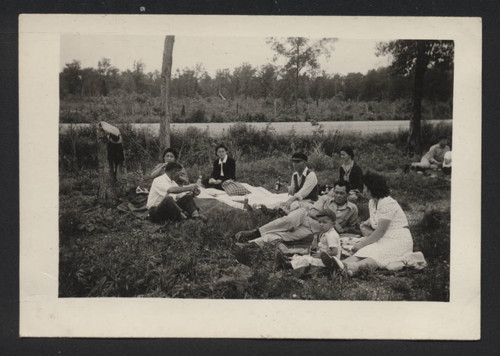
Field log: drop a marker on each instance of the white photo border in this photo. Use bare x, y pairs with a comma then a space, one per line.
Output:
43, 314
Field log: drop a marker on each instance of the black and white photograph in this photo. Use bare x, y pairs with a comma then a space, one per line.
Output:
269, 173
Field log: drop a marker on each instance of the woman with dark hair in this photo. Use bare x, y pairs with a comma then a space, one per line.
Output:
224, 168
386, 234
169, 155
350, 172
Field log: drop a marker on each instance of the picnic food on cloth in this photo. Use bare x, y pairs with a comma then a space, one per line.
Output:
234, 188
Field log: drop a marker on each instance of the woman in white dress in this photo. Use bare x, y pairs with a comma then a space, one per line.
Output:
386, 234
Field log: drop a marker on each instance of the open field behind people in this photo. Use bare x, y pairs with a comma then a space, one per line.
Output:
108, 253
141, 108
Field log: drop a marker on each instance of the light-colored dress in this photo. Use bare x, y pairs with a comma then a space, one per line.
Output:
397, 240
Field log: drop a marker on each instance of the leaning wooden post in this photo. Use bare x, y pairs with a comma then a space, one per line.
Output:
107, 186
111, 161
166, 71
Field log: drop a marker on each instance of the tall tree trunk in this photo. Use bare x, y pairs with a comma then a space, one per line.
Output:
297, 92
297, 83
166, 71
414, 136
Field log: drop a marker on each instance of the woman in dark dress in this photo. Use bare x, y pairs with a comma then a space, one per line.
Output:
350, 172
224, 168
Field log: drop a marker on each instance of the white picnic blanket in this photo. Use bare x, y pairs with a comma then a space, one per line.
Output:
257, 196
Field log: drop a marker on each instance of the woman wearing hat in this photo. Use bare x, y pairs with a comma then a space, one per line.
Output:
304, 185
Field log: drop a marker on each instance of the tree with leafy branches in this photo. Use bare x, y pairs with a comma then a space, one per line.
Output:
300, 53
413, 58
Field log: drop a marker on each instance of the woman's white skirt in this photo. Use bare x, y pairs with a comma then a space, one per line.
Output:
391, 247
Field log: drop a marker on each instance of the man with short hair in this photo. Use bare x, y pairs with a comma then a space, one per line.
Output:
303, 187
169, 201
301, 223
434, 157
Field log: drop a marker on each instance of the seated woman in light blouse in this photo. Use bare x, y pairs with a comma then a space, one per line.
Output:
169, 155
387, 237
224, 168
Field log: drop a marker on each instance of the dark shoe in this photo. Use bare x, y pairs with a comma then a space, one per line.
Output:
247, 235
330, 263
246, 206
281, 261
264, 209
301, 272
201, 217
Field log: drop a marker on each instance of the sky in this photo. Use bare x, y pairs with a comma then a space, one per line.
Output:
349, 55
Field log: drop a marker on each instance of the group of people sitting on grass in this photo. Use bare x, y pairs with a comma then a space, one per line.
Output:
386, 236
437, 158
385, 233
171, 196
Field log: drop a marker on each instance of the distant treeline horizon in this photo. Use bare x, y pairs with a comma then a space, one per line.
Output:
267, 81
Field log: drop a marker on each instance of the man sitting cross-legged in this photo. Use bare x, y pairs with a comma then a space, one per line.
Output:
169, 201
301, 223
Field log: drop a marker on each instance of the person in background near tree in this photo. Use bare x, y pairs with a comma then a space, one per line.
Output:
301, 223
386, 234
169, 155
447, 163
351, 173
224, 168
434, 158
169, 201
303, 186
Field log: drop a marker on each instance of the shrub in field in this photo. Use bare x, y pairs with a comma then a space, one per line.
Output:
197, 116
433, 233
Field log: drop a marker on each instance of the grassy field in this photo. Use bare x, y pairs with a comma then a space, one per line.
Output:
105, 252
140, 108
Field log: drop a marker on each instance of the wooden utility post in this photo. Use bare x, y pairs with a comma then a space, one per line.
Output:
111, 162
166, 71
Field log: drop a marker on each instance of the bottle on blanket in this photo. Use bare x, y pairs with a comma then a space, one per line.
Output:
277, 185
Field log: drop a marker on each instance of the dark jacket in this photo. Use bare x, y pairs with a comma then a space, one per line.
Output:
355, 177
229, 169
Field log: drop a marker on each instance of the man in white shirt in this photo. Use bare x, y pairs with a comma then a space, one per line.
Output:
303, 187
433, 159
169, 201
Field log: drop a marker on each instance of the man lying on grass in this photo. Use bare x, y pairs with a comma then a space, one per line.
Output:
169, 201
301, 223
327, 242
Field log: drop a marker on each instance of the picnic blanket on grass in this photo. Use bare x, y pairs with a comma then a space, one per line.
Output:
257, 196
413, 260
301, 247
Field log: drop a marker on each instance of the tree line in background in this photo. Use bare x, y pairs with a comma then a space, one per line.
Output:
420, 70
300, 77
267, 81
